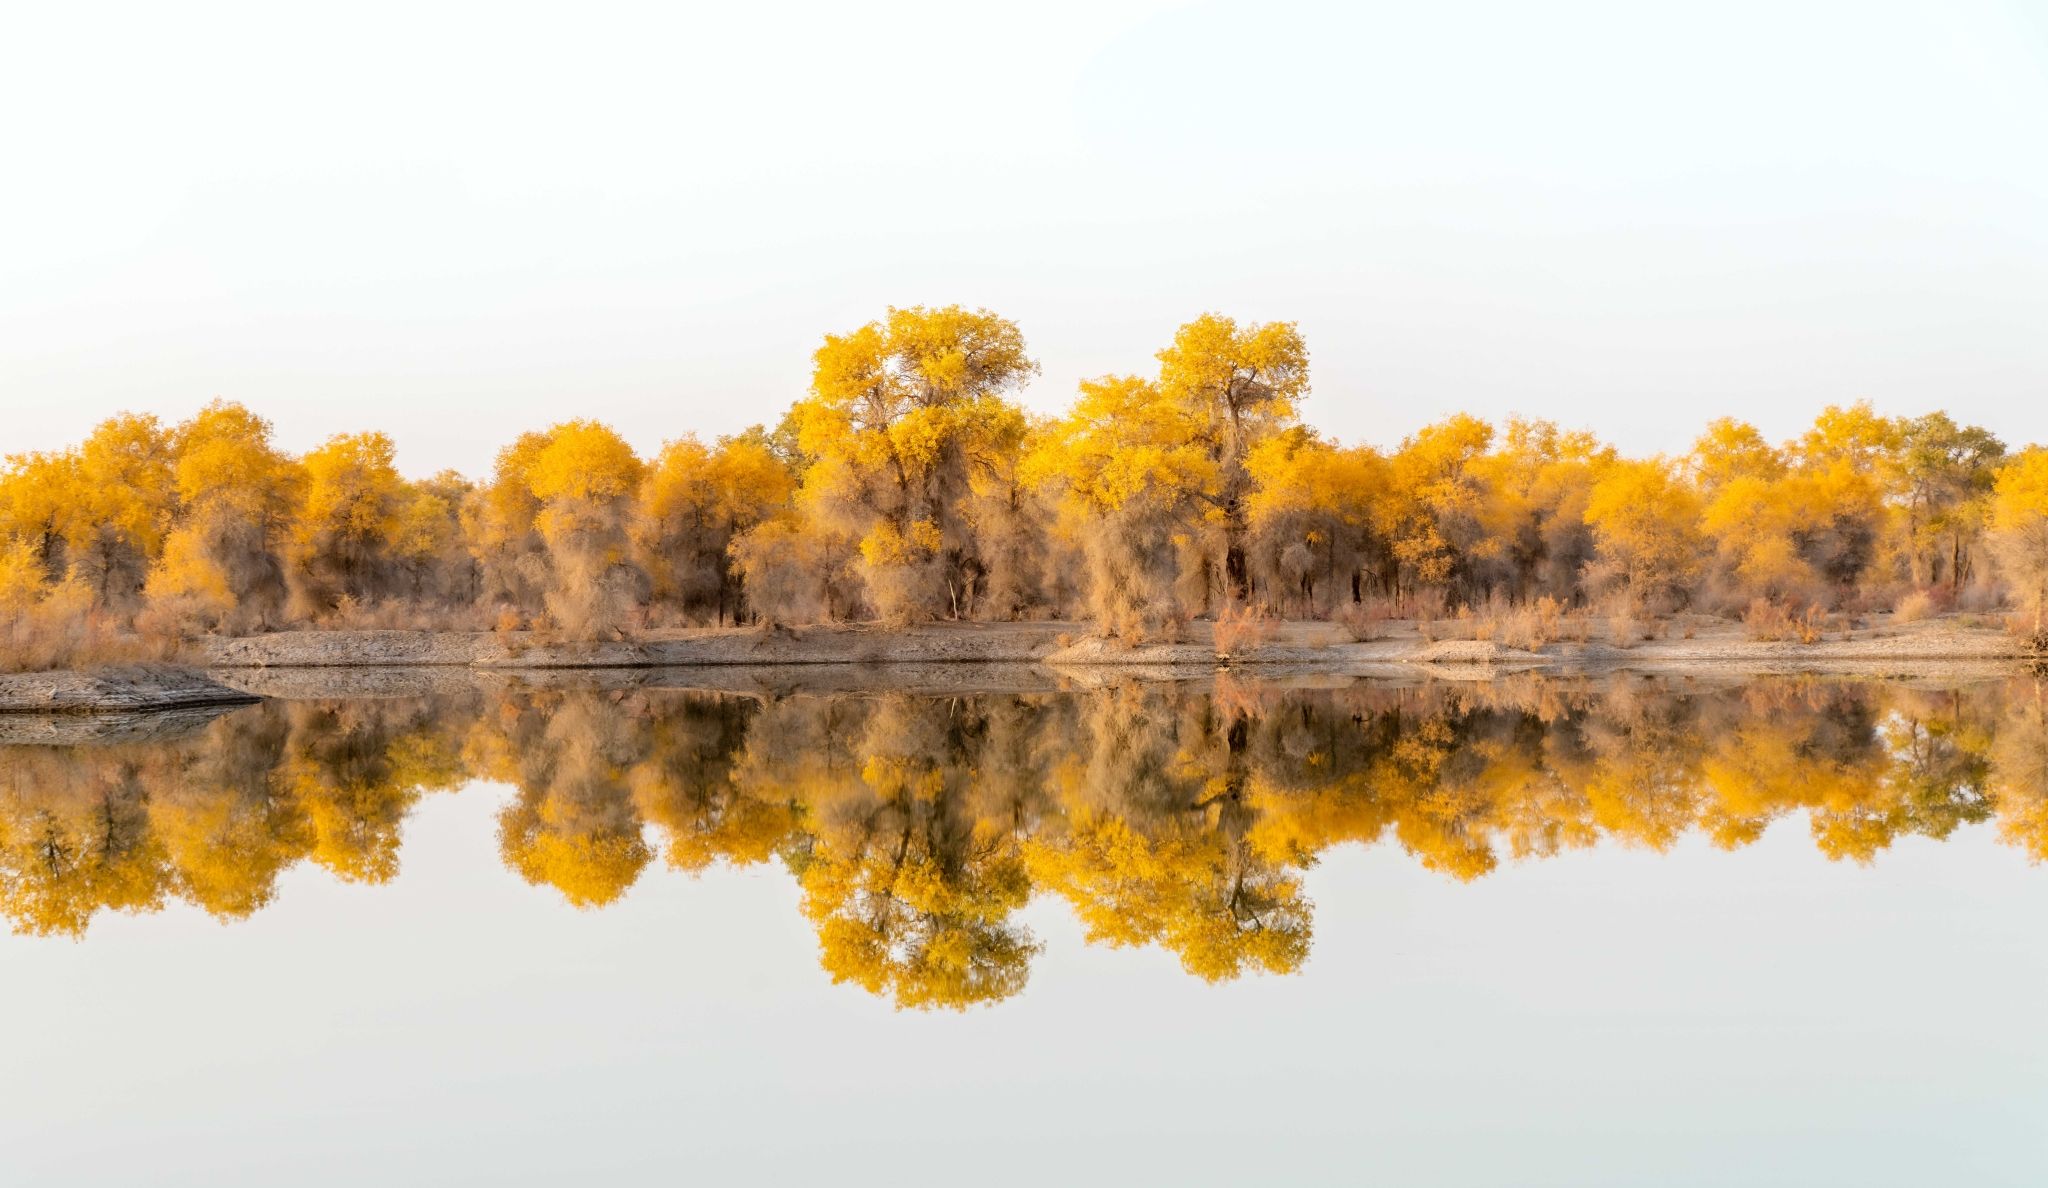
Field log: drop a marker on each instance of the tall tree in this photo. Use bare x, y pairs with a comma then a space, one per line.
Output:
1240, 385
903, 415
346, 522
236, 492
2019, 531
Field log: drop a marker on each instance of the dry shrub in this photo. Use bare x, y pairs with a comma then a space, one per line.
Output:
1766, 621
64, 632
1240, 628
1622, 628
1365, 621
1528, 627
1914, 607
351, 613
174, 618
1769, 622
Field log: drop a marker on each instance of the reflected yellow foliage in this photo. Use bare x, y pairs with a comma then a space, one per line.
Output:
918, 828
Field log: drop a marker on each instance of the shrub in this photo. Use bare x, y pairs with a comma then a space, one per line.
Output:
1766, 621
1769, 622
1365, 621
1238, 628
63, 631
1914, 607
1528, 627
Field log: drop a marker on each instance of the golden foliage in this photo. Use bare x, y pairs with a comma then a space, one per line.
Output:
907, 485
917, 828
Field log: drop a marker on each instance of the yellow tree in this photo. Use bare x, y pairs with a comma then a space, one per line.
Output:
1646, 525
1433, 521
123, 504
236, 492
585, 480
1849, 462
38, 497
910, 888
696, 502
498, 523
1730, 450
1311, 516
796, 570
1756, 513
903, 415
75, 837
427, 544
1947, 471
1238, 385
348, 515
2019, 532
1529, 535
1136, 488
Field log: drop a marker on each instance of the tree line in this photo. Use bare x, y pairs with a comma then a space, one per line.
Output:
910, 485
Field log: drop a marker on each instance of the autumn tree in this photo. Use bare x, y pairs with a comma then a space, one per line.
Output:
499, 524
1431, 519
1645, 523
432, 561
1947, 472
39, 497
1136, 488
2019, 532
553, 526
1314, 539
346, 523
1237, 385
1848, 465
696, 502
236, 493
1532, 537
903, 416
126, 499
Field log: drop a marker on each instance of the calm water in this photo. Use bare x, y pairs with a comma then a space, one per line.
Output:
1544, 932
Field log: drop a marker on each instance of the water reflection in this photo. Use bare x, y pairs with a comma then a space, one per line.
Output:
917, 826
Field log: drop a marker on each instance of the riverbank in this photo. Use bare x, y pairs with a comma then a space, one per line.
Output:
942, 655
1068, 645
127, 689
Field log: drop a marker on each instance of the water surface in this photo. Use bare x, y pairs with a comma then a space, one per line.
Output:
1575, 931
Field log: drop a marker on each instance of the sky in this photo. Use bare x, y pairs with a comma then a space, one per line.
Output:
455, 223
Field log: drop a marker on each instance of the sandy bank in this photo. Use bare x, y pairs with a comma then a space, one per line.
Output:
114, 690
1066, 646
941, 643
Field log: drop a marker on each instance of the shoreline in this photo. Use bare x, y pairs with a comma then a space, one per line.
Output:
128, 689
1299, 644
230, 671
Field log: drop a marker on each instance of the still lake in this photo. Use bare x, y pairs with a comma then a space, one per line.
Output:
1615, 930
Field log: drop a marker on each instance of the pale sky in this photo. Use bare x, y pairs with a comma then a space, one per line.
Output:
454, 223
